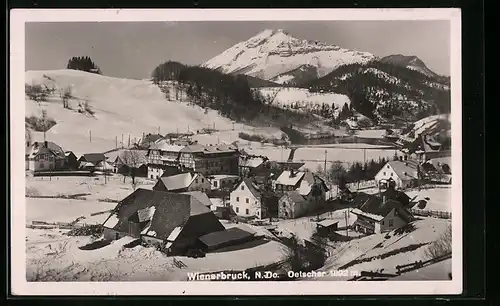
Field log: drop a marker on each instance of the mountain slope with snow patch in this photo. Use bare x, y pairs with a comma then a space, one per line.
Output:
271, 54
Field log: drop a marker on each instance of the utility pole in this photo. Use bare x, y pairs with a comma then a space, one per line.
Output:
158, 130
326, 153
116, 142
90, 136
122, 141
346, 224
104, 169
129, 140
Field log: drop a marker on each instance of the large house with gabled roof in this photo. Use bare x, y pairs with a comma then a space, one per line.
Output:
172, 221
251, 200
45, 156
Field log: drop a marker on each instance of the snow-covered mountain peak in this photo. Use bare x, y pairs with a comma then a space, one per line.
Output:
272, 53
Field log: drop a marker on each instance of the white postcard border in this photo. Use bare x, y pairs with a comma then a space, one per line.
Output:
20, 286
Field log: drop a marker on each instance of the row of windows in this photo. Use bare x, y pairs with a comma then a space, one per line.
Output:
247, 211
247, 200
391, 222
385, 173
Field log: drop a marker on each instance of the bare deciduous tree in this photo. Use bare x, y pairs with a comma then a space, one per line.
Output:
66, 95
132, 160
440, 247
36, 92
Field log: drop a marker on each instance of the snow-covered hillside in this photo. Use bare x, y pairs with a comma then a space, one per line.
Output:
121, 107
272, 53
410, 62
426, 126
302, 98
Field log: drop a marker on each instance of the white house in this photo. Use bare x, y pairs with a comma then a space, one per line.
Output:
246, 200
223, 181
403, 172
45, 156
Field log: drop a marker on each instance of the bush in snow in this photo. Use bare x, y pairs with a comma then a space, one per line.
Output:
32, 192
94, 230
440, 247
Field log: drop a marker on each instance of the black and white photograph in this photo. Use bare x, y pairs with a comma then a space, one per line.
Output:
236, 152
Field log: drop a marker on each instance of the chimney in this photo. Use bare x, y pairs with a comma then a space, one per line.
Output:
406, 157
292, 173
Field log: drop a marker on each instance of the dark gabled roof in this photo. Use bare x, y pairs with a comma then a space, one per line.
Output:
171, 210
222, 237
254, 189
376, 206
172, 170
295, 196
200, 196
360, 198
397, 195
94, 158
46, 147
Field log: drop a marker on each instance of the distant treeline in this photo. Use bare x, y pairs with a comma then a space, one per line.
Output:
83, 63
230, 95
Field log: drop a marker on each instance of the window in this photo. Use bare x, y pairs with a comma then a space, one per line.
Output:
41, 165
247, 211
246, 200
392, 173
382, 222
196, 181
151, 176
387, 166
391, 222
203, 180
258, 213
215, 183
384, 172
237, 199
242, 187
237, 209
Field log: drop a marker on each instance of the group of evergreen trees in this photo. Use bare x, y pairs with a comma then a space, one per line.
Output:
230, 95
339, 175
368, 85
83, 63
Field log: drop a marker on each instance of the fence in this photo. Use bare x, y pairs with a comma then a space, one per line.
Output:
419, 264
431, 213
362, 185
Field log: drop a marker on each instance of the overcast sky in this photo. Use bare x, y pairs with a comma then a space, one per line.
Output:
133, 50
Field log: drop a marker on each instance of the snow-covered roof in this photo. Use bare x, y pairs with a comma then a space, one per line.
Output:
178, 181
286, 178
173, 235
405, 170
328, 222
223, 176
357, 211
112, 221
146, 214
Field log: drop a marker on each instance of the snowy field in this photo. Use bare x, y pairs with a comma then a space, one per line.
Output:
314, 157
371, 247
285, 96
53, 256
112, 187
438, 199
119, 106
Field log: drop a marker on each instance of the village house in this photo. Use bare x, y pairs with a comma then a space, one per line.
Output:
248, 162
45, 156
91, 160
403, 172
438, 170
71, 160
124, 161
426, 147
308, 185
223, 181
207, 160
211, 159
380, 214
187, 181
160, 156
171, 221
249, 200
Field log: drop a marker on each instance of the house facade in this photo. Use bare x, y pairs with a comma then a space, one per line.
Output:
223, 181
246, 200
403, 172
45, 156
379, 215
207, 160
292, 205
